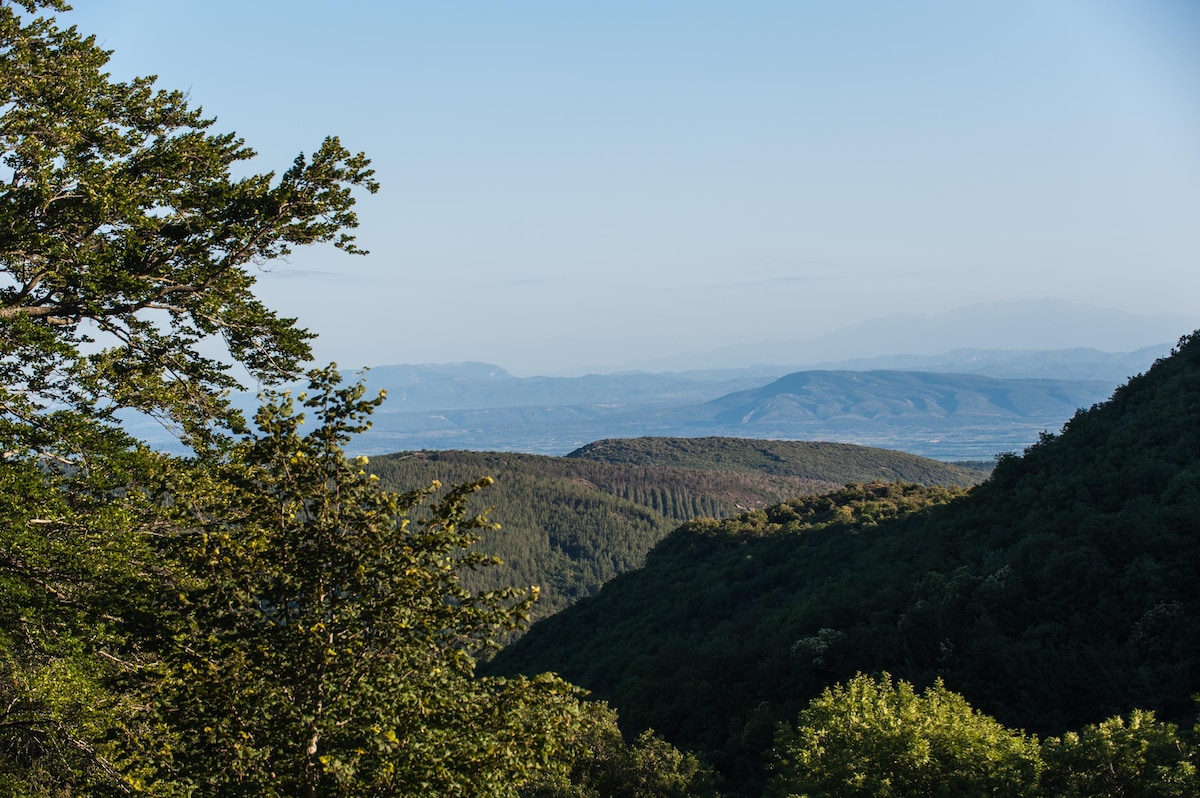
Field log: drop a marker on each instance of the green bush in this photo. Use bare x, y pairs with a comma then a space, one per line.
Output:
876, 737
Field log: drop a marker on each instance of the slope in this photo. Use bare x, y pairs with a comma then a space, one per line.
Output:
837, 462
571, 524
1060, 592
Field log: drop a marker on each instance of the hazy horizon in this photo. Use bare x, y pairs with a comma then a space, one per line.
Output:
572, 185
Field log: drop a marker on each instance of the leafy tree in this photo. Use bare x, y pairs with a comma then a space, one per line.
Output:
1134, 757
262, 619
876, 737
74, 552
603, 765
127, 240
315, 638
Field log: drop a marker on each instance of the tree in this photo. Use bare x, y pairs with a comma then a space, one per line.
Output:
876, 737
126, 240
315, 638
1134, 757
259, 619
603, 765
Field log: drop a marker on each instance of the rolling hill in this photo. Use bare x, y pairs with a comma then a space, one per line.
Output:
838, 463
1060, 592
569, 524
946, 416
966, 404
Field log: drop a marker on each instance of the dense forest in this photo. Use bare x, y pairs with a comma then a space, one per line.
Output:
837, 463
1058, 593
569, 524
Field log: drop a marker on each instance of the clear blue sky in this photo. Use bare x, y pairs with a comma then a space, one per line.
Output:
578, 184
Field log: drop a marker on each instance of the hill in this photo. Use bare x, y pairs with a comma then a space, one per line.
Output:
1058, 593
835, 462
956, 416
945, 416
934, 414
572, 523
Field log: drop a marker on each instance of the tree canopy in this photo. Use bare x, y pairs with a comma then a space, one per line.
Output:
877, 737
313, 637
126, 239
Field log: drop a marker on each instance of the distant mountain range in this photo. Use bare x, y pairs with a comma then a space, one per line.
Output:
962, 404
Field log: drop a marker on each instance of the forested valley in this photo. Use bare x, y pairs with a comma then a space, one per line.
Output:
569, 524
1056, 596
268, 616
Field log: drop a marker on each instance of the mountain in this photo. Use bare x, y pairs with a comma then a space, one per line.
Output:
569, 524
922, 412
934, 415
477, 386
946, 416
480, 406
1059, 592
986, 409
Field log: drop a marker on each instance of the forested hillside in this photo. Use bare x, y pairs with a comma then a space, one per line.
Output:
840, 463
1060, 592
571, 524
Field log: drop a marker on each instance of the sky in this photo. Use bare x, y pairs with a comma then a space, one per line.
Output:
573, 186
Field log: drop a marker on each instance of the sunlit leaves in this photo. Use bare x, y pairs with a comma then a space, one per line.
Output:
323, 640
881, 738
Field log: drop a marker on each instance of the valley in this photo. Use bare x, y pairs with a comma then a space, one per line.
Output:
1055, 594
570, 524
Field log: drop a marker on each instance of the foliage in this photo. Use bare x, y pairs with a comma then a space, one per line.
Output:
262, 618
877, 737
1126, 757
732, 626
1058, 593
74, 553
128, 241
316, 639
571, 524
603, 765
